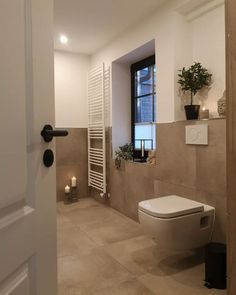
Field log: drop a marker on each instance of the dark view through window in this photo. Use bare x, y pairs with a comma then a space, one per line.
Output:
143, 75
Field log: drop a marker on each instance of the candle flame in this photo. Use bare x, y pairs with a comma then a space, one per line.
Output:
204, 108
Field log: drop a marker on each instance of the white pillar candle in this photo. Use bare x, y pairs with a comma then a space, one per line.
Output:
67, 189
73, 181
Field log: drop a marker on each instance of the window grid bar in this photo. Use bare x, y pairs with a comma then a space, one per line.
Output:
144, 95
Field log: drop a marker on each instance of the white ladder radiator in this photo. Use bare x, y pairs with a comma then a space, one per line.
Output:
98, 95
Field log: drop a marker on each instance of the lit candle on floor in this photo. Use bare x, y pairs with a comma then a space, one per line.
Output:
73, 181
67, 189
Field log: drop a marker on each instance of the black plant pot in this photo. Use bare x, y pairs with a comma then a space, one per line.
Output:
192, 111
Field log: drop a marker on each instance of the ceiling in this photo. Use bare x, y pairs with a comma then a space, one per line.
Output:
91, 24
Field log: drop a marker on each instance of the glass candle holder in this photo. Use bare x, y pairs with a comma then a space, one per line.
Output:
204, 114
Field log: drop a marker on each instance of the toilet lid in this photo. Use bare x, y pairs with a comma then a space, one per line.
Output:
170, 206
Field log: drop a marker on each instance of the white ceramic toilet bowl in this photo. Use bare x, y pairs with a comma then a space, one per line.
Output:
177, 223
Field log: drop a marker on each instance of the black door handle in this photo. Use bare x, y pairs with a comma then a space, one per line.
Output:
48, 133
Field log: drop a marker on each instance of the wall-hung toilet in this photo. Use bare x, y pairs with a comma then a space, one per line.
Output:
177, 223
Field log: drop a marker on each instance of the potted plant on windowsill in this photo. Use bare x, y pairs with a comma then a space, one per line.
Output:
193, 79
124, 152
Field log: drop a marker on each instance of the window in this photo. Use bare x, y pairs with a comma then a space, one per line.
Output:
143, 85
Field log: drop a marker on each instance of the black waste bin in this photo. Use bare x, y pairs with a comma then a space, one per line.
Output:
215, 266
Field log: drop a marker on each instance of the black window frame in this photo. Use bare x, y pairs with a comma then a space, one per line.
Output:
149, 61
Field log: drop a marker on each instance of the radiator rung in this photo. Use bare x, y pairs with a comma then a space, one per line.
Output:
95, 124
95, 129
95, 107
95, 71
95, 163
95, 153
98, 182
98, 154
96, 172
92, 176
97, 187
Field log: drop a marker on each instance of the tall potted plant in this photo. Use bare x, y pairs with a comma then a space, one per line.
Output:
193, 79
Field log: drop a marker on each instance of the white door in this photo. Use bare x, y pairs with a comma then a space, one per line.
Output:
27, 188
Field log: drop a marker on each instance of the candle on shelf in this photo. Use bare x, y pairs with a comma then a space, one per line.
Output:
67, 189
73, 181
204, 113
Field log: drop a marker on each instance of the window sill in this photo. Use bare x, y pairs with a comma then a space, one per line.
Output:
202, 120
140, 163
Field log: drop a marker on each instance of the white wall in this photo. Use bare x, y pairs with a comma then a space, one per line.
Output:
179, 42
159, 26
71, 89
121, 105
209, 48
183, 57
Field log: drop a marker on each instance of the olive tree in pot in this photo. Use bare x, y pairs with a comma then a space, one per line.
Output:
193, 79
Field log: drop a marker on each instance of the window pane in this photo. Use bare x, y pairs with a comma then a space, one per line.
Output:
144, 109
145, 131
155, 110
154, 78
144, 81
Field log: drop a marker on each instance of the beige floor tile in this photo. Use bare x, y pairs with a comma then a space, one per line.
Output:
132, 287
88, 273
61, 219
141, 255
72, 241
89, 215
113, 229
138, 254
82, 204
182, 283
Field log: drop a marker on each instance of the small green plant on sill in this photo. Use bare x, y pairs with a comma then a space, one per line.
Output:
124, 152
194, 79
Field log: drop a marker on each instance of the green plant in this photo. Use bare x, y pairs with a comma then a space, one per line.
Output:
124, 152
194, 79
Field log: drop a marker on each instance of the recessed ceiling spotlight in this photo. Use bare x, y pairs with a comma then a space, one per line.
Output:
63, 39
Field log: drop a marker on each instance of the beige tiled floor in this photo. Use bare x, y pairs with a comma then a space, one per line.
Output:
102, 252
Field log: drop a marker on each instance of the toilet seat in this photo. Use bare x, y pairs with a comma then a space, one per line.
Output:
170, 207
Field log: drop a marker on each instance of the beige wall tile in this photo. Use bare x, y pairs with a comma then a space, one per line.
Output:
211, 160
176, 161
72, 148
118, 187
162, 188
71, 160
